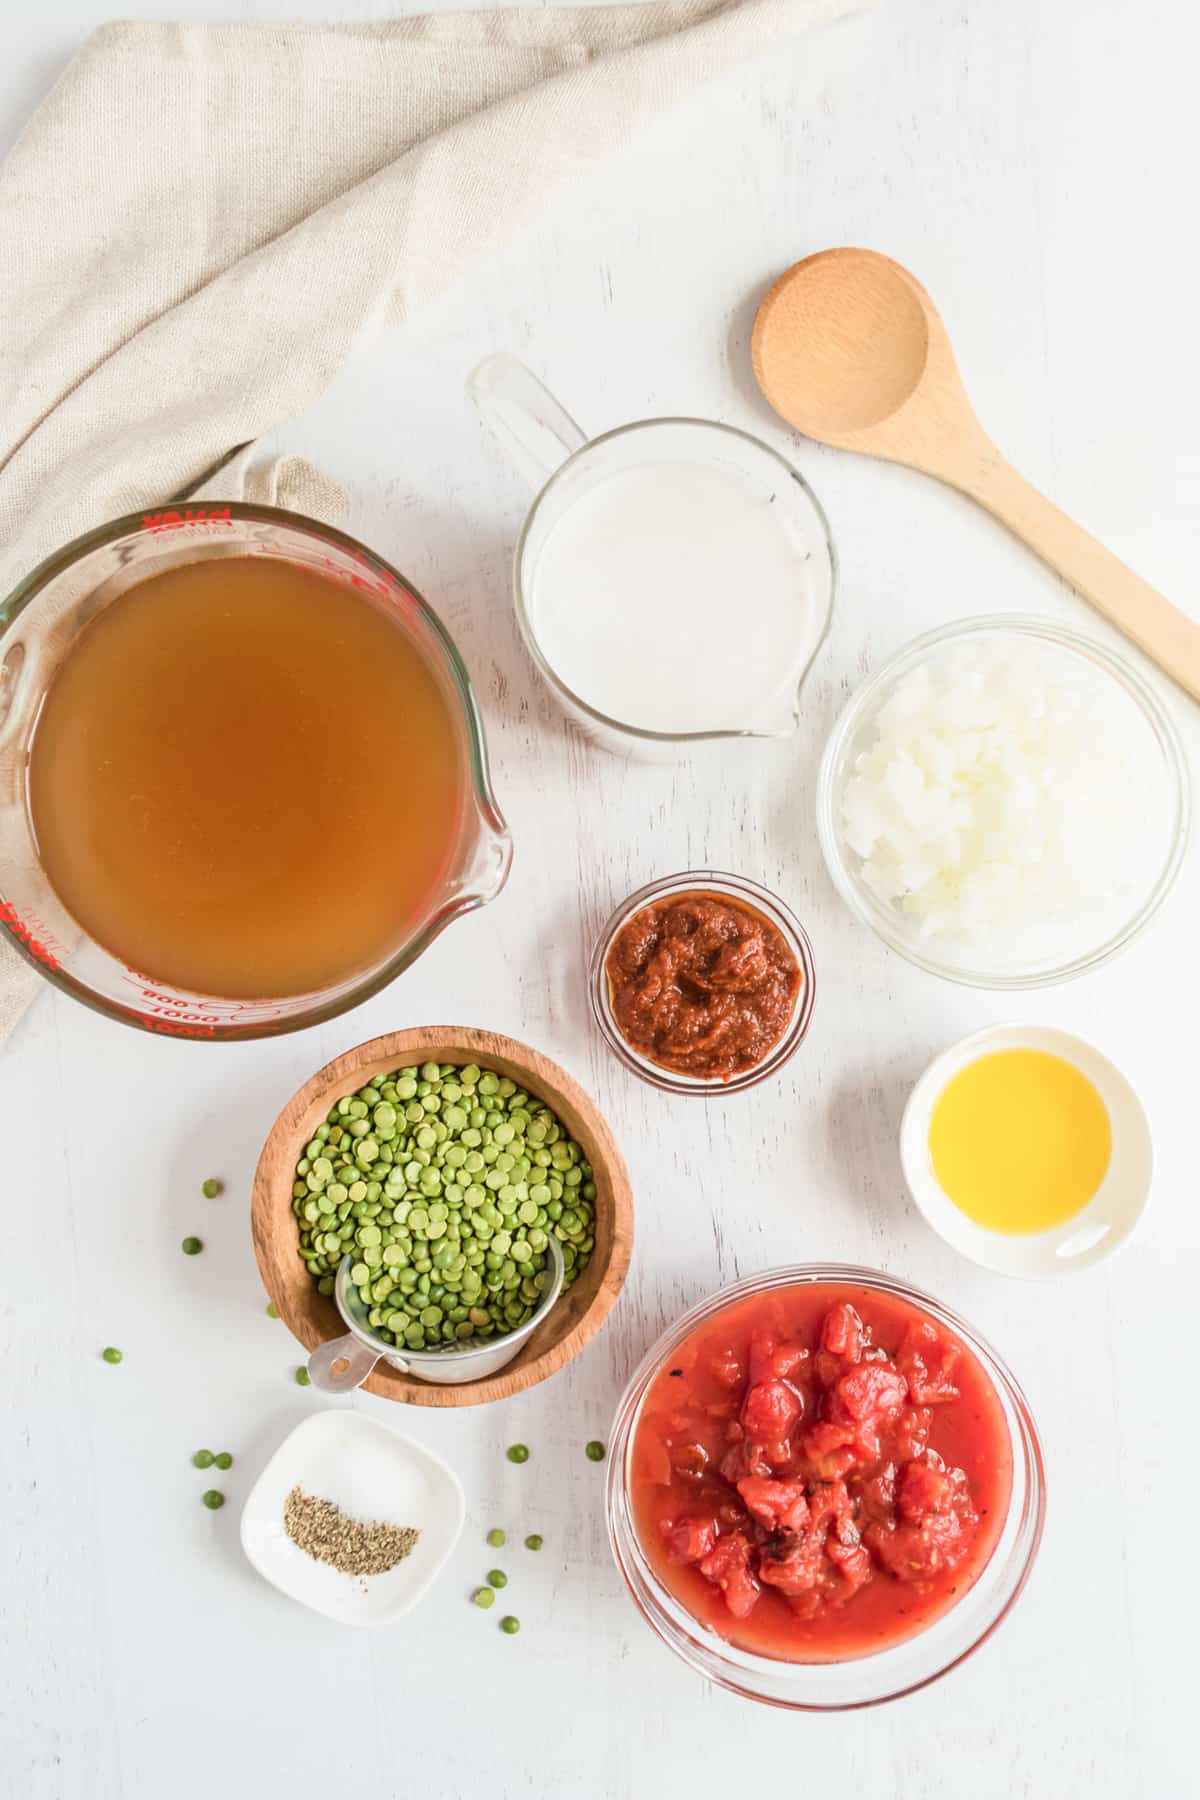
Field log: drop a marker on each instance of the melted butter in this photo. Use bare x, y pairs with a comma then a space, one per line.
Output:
1020, 1141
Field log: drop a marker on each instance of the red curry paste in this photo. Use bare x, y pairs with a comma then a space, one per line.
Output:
701, 985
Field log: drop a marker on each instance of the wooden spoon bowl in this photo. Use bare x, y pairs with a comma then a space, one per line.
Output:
849, 348
571, 1323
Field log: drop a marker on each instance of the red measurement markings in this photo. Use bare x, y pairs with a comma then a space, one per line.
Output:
11, 917
365, 578
191, 515
169, 1028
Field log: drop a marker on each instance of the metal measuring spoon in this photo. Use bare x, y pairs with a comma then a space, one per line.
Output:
345, 1362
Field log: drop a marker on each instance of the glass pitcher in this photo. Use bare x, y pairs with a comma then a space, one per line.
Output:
39, 624
569, 471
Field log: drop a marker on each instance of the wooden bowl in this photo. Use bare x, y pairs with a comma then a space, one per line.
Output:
571, 1323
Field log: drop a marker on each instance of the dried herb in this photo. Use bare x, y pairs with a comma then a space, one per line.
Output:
352, 1546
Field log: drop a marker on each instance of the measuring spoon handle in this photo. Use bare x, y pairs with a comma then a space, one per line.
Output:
341, 1365
1147, 617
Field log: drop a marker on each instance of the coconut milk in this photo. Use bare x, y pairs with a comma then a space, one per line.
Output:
675, 596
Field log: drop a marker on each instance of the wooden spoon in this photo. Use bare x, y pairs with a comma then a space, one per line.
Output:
849, 347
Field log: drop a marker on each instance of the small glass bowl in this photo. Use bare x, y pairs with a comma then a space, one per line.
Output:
857, 1681
751, 898
853, 732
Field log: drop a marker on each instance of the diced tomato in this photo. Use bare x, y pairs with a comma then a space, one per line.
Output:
825, 1436
727, 1566
744, 1458
911, 1432
936, 1522
769, 1411
916, 1552
829, 1504
798, 1570
731, 1515
922, 1489
828, 1449
867, 1398
779, 1505
841, 1344
867, 1393
825, 1553
690, 1539
842, 1332
763, 1346
726, 1370
771, 1360
929, 1363
690, 1461
877, 1495
853, 1563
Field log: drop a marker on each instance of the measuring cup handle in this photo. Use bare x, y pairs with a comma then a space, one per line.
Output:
524, 418
358, 1360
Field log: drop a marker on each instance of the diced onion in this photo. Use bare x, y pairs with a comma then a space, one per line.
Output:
1010, 793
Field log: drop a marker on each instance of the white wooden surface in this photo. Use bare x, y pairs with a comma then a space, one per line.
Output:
1036, 166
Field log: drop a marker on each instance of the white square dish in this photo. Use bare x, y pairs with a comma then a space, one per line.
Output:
371, 1473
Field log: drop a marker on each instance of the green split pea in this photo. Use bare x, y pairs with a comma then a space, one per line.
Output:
444, 1185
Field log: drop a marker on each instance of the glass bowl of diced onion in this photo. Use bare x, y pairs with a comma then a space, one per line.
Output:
1005, 803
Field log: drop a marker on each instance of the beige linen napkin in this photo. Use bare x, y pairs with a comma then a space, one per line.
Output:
199, 223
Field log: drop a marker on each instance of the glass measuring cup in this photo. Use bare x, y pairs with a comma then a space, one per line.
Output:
567, 470
39, 624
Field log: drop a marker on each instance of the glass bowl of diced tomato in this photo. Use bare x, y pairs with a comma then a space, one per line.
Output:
825, 1489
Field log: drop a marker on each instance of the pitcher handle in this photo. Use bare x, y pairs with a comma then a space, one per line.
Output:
526, 420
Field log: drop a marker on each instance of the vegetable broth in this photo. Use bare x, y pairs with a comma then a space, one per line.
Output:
246, 779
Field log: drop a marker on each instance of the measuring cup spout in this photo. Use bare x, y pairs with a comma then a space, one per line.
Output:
488, 869
525, 419
778, 719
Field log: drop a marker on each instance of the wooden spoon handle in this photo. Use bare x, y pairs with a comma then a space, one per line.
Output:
1131, 604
